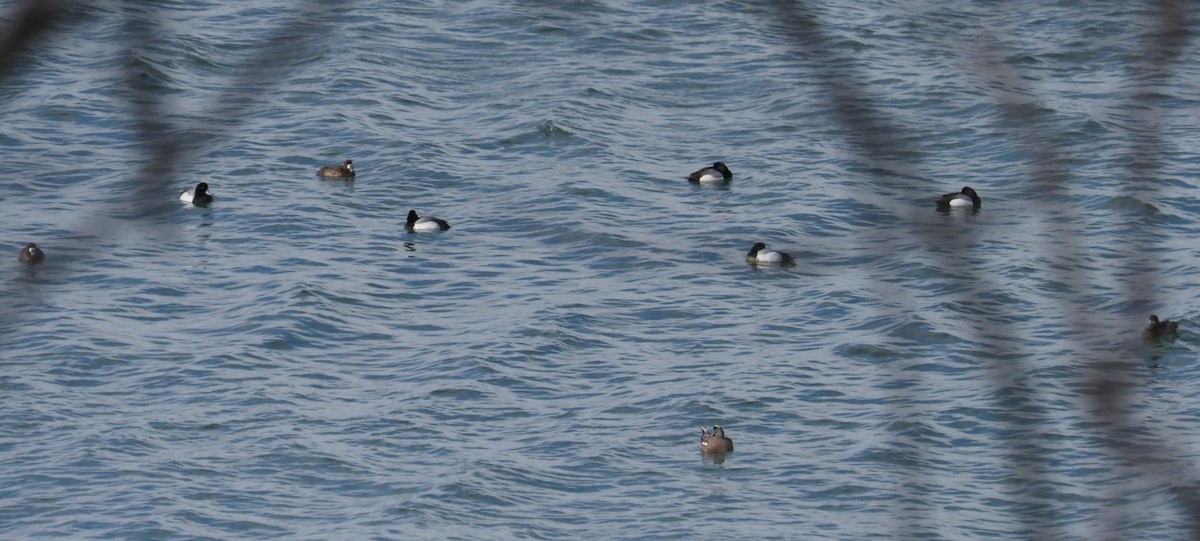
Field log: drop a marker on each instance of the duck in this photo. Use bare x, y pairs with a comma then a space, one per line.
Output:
965, 198
425, 223
197, 196
717, 173
1159, 329
715, 441
345, 170
760, 254
31, 254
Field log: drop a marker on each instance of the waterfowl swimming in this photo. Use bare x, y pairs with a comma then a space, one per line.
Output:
760, 254
715, 441
717, 173
345, 170
1159, 329
425, 223
966, 198
31, 254
197, 196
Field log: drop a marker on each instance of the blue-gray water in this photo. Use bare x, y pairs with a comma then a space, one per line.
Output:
289, 363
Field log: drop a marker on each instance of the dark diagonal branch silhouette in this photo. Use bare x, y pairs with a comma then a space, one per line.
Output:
168, 145
869, 130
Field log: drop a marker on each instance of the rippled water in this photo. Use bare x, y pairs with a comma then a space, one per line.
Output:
291, 363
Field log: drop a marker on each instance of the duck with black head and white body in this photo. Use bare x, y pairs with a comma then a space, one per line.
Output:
425, 223
717, 173
760, 255
966, 198
199, 195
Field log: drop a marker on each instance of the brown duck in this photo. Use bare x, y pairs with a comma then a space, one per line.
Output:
345, 170
715, 441
31, 254
1159, 329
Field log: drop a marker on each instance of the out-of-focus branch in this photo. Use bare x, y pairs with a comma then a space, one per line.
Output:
30, 21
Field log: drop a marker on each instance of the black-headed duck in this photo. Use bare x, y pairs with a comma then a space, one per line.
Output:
425, 223
717, 173
759, 254
197, 196
965, 198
